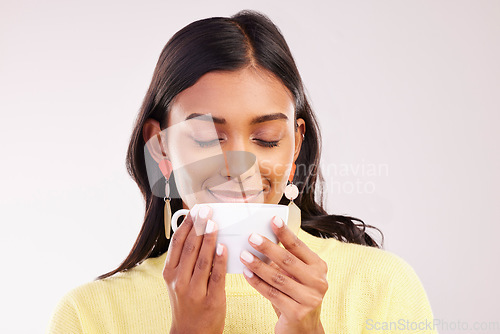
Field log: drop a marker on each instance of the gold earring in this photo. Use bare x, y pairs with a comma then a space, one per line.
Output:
166, 169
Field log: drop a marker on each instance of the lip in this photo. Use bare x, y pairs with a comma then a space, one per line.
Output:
234, 197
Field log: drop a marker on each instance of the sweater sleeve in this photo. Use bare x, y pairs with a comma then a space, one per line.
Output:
409, 309
65, 318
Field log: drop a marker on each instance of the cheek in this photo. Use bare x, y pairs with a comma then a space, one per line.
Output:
197, 164
192, 167
275, 168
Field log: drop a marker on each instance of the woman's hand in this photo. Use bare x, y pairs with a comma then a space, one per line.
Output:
294, 282
196, 289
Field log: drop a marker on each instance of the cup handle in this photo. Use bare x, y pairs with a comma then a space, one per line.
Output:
176, 215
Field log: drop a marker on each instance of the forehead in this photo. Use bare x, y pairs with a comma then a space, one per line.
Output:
232, 95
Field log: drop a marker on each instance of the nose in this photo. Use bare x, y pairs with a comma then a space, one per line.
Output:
238, 164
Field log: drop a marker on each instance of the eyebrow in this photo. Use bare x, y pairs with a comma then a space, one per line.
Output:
256, 120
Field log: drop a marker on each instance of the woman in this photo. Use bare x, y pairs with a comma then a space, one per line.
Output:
330, 277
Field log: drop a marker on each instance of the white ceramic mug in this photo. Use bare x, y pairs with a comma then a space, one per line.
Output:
236, 221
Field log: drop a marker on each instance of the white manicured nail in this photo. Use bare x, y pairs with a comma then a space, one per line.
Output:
210, 226
277, 222
219, 249
194, 211
248, 273
204, 211
256, 239
247, 256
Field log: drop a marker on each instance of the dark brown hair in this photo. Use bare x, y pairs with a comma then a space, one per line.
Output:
246, 39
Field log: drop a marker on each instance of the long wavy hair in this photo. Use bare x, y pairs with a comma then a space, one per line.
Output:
247, 38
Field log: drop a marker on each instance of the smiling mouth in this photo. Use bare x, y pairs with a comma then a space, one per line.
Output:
235, 197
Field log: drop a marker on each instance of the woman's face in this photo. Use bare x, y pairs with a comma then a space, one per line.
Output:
244, 150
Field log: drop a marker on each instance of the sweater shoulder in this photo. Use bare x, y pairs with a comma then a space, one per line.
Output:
114, 304
354, 260
121, 285
380, 260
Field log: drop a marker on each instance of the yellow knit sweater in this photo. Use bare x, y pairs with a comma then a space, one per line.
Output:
370, 291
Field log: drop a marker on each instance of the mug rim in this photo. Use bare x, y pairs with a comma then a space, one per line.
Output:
250, 204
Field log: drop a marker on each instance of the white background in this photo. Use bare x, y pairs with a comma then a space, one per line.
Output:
410, 85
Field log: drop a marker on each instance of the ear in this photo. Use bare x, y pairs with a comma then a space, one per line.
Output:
155, 139
300, 130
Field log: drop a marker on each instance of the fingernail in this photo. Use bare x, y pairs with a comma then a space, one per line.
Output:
194, 211
247, 272
219, 249
204, 211
210, 226
256, 239
247, 256
277, 222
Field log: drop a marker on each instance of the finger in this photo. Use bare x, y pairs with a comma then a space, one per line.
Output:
217, 281
284, 284
281, 270
203, 265
280, 301
275, 266
278, 312
177, 242
192, 245
285, 260
292, 243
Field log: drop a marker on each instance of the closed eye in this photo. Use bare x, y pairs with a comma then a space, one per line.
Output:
269, 143
261, 142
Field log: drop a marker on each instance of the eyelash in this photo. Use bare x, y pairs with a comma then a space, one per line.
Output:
264, 143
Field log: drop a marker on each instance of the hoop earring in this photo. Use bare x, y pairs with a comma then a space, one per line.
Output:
294, 213
166, 169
